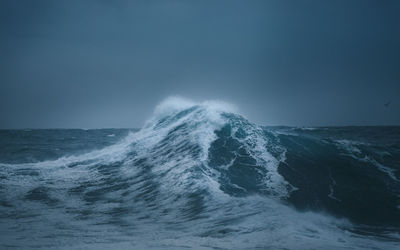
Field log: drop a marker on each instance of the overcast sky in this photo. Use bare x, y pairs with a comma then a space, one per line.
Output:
97, 64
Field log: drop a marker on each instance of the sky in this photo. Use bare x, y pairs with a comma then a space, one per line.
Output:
107, 64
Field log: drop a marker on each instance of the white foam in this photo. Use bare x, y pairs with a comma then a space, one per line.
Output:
256, 144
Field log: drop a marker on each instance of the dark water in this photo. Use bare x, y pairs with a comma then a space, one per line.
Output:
199, 176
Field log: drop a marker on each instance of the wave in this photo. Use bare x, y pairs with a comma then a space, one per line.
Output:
351, 149
196, 174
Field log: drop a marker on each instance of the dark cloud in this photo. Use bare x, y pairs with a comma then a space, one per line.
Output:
108, 63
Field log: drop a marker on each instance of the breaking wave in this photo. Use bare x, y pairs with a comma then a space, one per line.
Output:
201, 175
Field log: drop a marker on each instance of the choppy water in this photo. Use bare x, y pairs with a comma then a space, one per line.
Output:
200, 176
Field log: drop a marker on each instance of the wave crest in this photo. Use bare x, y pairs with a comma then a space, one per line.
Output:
182, 134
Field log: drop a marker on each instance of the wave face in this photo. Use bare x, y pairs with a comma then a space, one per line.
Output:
200, 175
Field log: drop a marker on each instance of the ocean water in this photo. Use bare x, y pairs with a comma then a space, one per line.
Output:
200, 176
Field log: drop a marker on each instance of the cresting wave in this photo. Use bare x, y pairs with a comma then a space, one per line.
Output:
200, 175
209, 140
